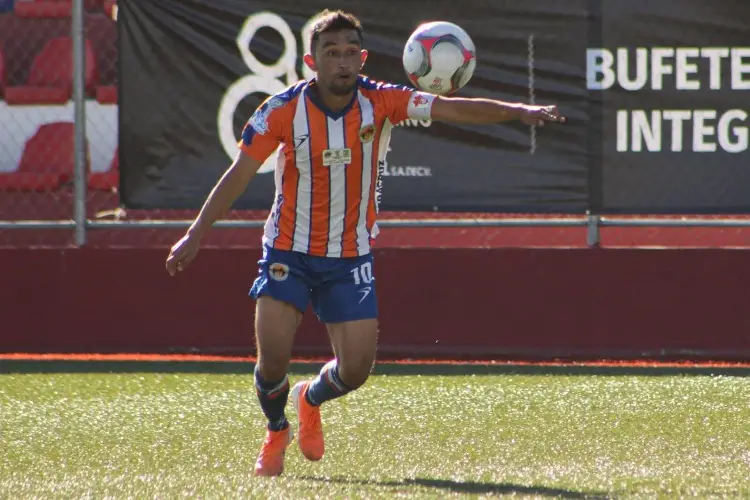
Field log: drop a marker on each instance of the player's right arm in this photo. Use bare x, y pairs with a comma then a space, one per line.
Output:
226, 191
222, 196
260, 137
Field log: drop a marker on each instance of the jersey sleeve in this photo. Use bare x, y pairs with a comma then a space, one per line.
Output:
263, 132
405, 102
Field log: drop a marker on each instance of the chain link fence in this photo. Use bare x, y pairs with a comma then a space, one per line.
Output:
38, 161
38, 97
37, 126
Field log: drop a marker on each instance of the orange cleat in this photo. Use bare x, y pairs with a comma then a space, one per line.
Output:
310, 427
271, 458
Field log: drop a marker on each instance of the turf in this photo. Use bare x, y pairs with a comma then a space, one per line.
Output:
173, 435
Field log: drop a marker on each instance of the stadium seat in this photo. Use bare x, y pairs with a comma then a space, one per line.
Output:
48, 160
93, 5
109, 180
52, 8
50, 78
110, 8
43, 8
103, 36
107, 94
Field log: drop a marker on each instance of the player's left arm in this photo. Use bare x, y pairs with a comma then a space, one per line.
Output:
404, 102
485, 111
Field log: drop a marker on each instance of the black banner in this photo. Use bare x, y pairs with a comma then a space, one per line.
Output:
194, 71
656, 93
674, 80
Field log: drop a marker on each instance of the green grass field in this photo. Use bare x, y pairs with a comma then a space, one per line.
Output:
196, 435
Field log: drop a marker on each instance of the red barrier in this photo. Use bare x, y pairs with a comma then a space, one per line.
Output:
446, 303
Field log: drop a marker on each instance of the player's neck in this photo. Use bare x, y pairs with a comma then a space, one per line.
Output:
332, 101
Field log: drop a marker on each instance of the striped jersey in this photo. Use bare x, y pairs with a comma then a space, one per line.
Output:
327, 172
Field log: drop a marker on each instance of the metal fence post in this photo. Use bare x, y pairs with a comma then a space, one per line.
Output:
79, 106
593, 222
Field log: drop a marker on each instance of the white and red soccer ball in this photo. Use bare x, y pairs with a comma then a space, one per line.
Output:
439, 57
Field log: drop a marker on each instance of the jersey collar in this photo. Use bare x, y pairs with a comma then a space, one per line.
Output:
335, 115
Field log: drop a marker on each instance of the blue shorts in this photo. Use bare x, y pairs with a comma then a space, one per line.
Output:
340, 289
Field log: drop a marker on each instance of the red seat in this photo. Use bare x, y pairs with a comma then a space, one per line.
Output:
102, 33
93, 5
107, 94
109, 180
52, 8
43, 8
50, 78
48, 160
110, 8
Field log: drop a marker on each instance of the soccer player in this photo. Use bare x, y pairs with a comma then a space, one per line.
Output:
333, 131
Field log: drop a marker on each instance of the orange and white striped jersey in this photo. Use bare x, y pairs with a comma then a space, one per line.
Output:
328, 165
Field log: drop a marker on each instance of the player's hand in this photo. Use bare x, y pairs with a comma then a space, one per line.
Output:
539, 115
182, 253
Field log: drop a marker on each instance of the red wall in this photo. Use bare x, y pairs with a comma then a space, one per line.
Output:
434, 302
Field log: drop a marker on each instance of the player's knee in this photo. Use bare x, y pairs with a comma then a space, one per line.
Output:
272, 367
355, 372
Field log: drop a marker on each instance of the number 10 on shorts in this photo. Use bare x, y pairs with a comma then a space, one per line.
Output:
363, 273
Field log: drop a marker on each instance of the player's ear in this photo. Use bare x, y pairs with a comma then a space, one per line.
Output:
363, 57
310, 61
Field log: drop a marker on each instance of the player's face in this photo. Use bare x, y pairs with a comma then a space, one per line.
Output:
338, 60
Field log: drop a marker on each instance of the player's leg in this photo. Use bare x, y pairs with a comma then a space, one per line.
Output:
354, 346
347, 303
281, 295
276, 323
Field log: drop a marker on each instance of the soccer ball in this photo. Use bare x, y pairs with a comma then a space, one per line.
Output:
439, 57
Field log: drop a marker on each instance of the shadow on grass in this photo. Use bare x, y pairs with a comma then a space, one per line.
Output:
384, 368
469, 487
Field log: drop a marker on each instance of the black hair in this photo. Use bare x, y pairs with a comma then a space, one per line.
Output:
333, 21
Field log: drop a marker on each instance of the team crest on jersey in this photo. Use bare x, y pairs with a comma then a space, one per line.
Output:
259, 120
278, 271
367, 133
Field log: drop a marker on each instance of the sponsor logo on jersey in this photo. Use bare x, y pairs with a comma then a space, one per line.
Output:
342, 156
